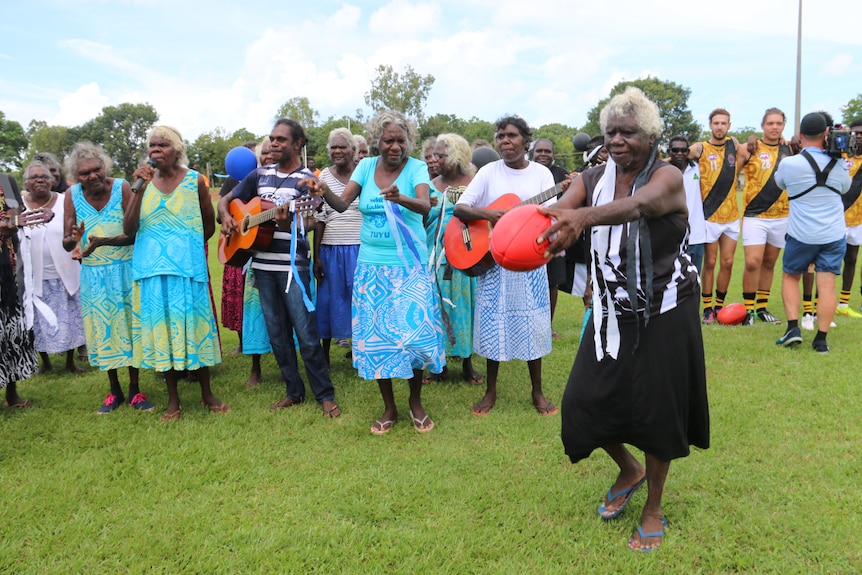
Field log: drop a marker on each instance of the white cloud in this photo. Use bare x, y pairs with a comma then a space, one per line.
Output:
344, 19
81, 105
402, 19
839, 65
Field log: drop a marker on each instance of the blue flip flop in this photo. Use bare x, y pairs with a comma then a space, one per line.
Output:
645, 535
605, 514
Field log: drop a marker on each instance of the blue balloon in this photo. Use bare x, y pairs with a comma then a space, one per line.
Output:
240, 162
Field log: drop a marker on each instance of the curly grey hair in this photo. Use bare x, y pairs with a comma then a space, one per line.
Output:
38, 164
347, 135
86, 151
633, 103
380, 122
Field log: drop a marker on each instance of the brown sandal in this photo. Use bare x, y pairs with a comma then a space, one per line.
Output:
220, 407
174, 416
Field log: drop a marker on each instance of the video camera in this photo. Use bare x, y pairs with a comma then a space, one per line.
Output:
840, 142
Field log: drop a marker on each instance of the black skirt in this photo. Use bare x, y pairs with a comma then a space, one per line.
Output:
652, 397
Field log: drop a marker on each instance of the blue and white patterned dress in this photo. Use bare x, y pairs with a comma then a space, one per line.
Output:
512, 309
396, 329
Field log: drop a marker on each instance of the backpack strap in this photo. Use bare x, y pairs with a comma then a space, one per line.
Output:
820, 175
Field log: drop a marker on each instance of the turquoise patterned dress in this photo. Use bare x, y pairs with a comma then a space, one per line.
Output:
455, 291
395, 323
106, 282
255, 340
173, 326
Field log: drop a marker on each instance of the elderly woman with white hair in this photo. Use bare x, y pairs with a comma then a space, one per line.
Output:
94, 211
639, 375
456, 291
173, 325
57, 325
336, 244
395, 331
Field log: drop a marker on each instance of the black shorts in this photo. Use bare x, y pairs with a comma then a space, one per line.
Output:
556, 271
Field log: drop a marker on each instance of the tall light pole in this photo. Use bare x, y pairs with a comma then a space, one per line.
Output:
798, 69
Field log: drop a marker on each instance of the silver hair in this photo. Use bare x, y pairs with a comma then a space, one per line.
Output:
633, 103
38, 164
381, 121
347, 135
86, 151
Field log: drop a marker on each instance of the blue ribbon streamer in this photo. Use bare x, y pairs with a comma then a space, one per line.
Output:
400, 230
294, 273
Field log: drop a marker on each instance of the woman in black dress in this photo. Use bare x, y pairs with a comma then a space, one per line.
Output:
639, 375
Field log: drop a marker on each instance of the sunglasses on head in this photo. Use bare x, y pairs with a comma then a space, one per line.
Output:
679, 150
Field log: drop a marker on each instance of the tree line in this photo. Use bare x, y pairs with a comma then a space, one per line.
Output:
122, 129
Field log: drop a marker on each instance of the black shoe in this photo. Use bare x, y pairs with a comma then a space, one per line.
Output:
820, 346
748, 319
790, 338
764, 315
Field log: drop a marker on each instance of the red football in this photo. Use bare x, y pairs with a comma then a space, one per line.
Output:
731, 314
513, 240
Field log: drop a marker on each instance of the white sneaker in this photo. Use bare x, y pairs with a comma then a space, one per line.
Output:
809, 322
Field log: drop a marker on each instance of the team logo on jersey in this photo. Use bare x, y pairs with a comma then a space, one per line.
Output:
712, 157
731, 159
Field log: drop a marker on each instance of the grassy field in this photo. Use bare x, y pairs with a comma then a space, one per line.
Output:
294, 492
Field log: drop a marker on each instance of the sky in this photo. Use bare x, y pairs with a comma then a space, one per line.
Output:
231, 65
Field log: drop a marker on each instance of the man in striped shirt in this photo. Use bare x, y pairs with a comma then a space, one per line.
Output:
282, 271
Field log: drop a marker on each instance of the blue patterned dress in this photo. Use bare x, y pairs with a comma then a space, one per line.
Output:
106, 282
173, 326
255, 340
395, 321
455, 290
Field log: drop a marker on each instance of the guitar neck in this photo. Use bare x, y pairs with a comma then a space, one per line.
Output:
262, 217
544, 196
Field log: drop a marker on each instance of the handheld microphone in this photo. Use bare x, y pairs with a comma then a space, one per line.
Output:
139, 183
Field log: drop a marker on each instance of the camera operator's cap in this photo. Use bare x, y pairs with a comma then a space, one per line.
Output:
812, 124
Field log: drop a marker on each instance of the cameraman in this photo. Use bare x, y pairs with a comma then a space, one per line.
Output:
815, 182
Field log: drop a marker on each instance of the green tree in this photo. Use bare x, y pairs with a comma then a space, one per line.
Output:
405, 92
299, 109
852, 111
45, 138
212, 148
318, 136
13, 142
561, 136
122, 131
476, 129
671, 99
441, 124
741, 134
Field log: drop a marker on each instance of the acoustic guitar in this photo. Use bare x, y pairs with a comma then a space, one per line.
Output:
30, 218
255, 222
468, 244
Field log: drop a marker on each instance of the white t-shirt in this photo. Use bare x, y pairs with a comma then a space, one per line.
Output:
497, 179
694, 201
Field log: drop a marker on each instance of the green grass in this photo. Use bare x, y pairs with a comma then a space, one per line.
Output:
293, 492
